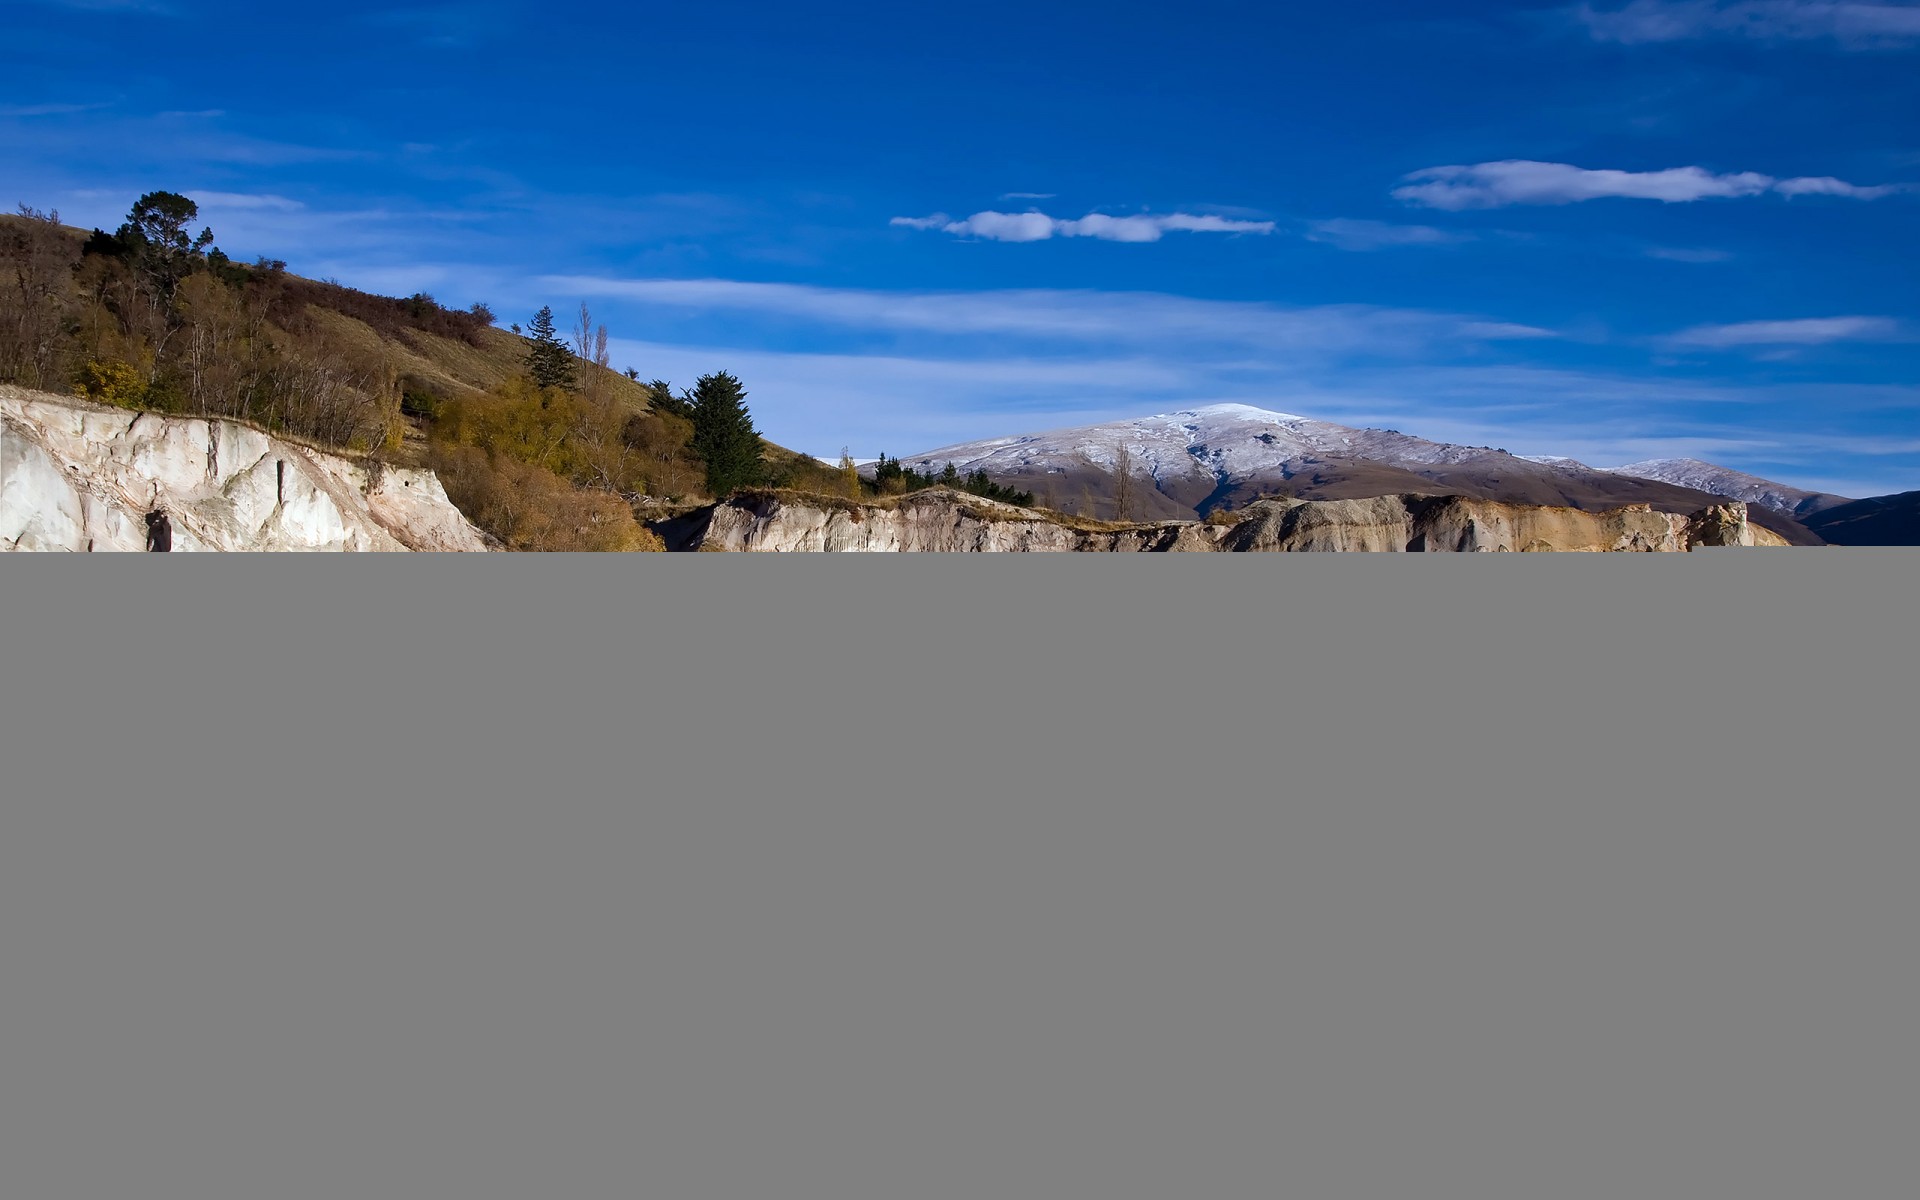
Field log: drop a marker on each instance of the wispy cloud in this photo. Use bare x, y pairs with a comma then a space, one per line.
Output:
1105, 318
1686, 254
150, 7
165, 143
1850, 23
1029, 195
1521, 181
1813, 331
244, 200
45, 110
444, 27
1039, 227
1827, 185
1380, 235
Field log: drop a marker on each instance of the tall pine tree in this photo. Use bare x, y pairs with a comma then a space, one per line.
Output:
723, 434
548, 359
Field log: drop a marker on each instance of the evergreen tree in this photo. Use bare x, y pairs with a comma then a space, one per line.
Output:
723, 434
155, 240
548, 359
660, 399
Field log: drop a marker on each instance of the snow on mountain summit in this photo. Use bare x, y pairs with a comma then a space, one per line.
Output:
1724, 481
1221, 441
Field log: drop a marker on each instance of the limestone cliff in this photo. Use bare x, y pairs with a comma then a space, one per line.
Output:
80, 476
942, 520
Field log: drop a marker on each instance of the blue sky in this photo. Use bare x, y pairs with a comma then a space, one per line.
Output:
1613, 230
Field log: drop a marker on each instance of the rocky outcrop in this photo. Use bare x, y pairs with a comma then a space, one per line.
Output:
942, 520
80, 476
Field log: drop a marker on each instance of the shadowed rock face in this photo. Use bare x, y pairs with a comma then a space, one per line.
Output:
945, 521
79, 476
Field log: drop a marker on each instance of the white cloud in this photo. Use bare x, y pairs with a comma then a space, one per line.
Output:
241, 200
1815, 331
1101, 318
46, 110
1852, 24
1005, 227
1504, 331
1379, 235
1685, 254
1827, 185
1039, 227
1029, 195
1520, 181
152, 7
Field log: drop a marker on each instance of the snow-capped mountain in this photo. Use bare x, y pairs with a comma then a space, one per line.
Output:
1724, 481
1221, 441
1198, 459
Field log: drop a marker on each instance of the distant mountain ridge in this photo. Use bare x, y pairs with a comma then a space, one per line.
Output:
1877, 521
1735, 485
1193, 461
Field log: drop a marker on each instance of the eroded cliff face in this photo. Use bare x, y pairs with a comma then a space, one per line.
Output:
80, 476
1461, 524
942, 520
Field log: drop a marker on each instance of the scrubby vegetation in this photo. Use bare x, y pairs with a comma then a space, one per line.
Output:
154, 316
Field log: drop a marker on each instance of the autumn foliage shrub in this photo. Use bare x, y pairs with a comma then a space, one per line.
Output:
530, 508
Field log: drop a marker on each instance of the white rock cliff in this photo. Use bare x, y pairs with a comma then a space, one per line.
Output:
79, 476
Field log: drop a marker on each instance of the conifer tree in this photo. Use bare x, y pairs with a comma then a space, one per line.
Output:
548, 359
155, 240
723, 434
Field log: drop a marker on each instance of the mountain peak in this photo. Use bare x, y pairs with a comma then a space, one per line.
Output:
1245, 411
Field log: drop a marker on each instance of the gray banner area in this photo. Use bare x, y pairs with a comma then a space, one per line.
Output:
914, 879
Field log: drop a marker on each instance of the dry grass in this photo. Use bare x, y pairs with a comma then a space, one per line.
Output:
455, 365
